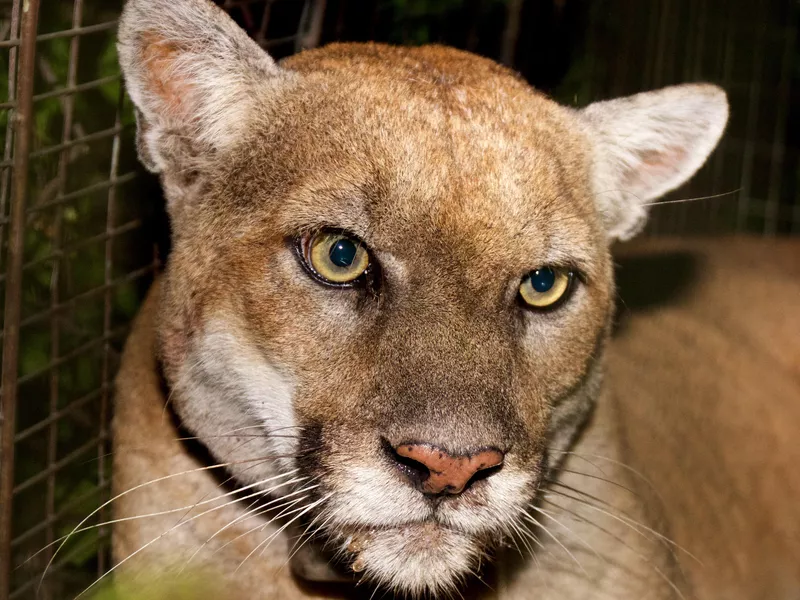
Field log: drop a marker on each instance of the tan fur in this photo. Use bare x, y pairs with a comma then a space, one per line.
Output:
708, 383
460, 180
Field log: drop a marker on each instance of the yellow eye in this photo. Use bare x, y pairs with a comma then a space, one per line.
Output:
544, 287
336, 257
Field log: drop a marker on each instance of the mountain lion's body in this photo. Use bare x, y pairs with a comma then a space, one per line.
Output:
377, 352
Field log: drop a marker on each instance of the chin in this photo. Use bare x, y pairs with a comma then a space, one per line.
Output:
416, 560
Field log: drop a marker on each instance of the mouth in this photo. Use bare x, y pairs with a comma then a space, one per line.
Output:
421, 558
375, 529
428, 531
415, 558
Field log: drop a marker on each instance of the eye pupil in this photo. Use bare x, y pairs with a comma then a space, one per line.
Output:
343, 253
542, 280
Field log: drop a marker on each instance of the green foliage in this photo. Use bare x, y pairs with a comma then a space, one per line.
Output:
181, 587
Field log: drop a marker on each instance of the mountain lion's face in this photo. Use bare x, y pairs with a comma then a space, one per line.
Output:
390, 283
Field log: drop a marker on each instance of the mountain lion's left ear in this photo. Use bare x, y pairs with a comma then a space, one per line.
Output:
646, 145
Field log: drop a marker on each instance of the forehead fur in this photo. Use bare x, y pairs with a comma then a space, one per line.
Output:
392, 143
441, 67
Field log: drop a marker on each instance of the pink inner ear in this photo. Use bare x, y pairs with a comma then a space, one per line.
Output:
159, 58
655, 167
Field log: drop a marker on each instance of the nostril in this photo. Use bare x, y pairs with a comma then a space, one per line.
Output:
484, 473
413, 469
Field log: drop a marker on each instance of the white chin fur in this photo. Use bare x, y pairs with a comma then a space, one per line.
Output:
417, 559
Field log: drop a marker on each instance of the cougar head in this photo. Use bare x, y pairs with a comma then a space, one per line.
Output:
390, 272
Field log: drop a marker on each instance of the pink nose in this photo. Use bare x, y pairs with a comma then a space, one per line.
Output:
436, 471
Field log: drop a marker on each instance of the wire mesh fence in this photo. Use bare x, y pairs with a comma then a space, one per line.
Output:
80, 225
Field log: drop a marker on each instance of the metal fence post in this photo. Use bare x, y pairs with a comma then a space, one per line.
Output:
16, 238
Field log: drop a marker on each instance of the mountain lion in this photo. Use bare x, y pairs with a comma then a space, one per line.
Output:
379, 361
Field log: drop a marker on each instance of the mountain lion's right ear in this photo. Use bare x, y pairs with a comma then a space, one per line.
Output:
194, 77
